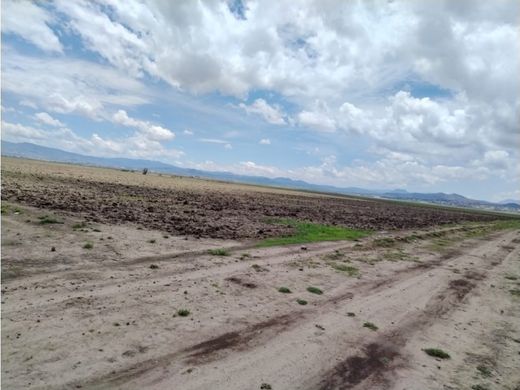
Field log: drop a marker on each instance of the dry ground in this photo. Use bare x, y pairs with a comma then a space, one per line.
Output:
104, 315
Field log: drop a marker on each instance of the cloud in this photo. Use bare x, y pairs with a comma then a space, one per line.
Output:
212, 141
153, 132
316, 120
188, 132
265, 141
271, 114
18, 131
67, 86
30, 22
45, 118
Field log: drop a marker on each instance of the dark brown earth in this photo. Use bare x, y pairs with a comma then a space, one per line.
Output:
215, 213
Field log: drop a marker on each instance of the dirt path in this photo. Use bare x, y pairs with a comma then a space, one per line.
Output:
102, 318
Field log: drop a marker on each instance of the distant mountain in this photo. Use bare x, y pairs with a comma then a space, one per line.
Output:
507, 201
451, 200
37, 152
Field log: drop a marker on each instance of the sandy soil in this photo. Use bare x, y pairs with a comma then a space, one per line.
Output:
106, 317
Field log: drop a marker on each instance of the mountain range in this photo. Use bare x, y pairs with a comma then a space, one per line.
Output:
37, 152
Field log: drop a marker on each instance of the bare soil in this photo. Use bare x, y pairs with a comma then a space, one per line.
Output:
184, 206
106, 316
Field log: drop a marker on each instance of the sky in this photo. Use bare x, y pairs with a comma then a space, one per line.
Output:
417, 95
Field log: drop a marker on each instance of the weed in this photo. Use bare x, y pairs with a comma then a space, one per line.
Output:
79, 225
484, 371
266, 386
302, 302
515, 292
88, 245
219, 252
336, 255
436, 352
183, 312
96, 230
284, 290
351, 271
384, 242
5, 209
350, 314
152, 241
479, 387
245, 256
511, 277
314, 290
305, 232
45, 220
154, 266
370, 326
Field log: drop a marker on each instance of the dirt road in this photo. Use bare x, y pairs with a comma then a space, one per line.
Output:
107, 316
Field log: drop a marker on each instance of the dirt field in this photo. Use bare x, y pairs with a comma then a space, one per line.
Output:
95, 300
201, 208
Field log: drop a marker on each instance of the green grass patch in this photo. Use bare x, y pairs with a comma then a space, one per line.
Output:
370, 325
219, 252
314, 290
350, 270
284, 290
436, 352
305, 232
88, 245
511, 277
183, 312
302, 302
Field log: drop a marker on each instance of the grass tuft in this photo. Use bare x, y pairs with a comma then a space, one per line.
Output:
302, 302
484, 371
350, 270
314, 290
219, 252
88, 245
305, 232
183, 312
370, 326
284, 290
515, 292
436, 352
45, 220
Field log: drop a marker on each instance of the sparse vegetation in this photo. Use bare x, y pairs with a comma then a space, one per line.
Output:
515, 292
245, 256
266, 386
350, 270
219, 252
312, 232
314, 290
88, 245
152, 241
183, 312
45, 220
384, 242
80, 225
302, 302
436, 352
511, 277
484, 371
370, 326
284, 290
479, 387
